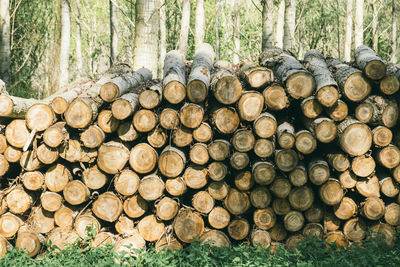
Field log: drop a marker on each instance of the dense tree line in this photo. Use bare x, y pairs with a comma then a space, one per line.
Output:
46, 44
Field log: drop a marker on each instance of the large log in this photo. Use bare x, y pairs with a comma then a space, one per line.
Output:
372, 65
226, 87
355, 138
174, 82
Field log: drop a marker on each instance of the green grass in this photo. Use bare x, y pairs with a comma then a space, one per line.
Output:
311, 252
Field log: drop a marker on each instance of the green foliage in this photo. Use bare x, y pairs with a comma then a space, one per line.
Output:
311, 252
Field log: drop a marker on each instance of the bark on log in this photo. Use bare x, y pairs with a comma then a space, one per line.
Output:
151, 97
310, 107
256, 76
174, 82
390, 84
124, 106
372, 65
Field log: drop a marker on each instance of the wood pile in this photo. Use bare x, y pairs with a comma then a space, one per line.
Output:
268, 152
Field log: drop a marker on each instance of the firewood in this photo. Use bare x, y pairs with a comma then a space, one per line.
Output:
124, 225
76, 192
226, 120
4, 165
368, 187
281, 206
219, 218
260, 198
355, 138
157, 137
278, 232
293, 221
12, 154
199, 154
191, 115
261, 238
17, 133
355, 229
264, 148
348, 179
169, 118
18, 201
94, 178
256, 76
298, 176
151, 187
126, 132
244, 180
55, 134
203, 133
203, 202
381, 136
225, 87
310, 107
218, 190
33, 180
151, 97
134, 241
171, 161
386, 230
135, 206
57, 177
286, 159
39, 117
171, 243
338, 160
237, 202
41, 221
144, 120
143, 158
238, 229
363, 165
366, 59
174, 82
281, 187
318, 171
195, 176
275, 97
29, 241
373, 208
239, 160
51, 201
324, 129
346, 209
331, 192
217, 171
392, 214
188, 225
338, 238
9, 225
339, 111
265, 125
176, 186
389, 187
150, 228
64, 217
389, 84
46, 155
182, 136
219, 149
389, 156
315, 213
166, 209
82, 222
301, 198
305, 142
112, 157
250, 105
215, 238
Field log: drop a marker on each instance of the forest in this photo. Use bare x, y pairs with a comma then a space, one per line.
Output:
46, 44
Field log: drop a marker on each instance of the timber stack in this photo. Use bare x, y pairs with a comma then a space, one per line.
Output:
265, 153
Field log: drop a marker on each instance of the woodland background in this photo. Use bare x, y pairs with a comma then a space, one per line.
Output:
46, 44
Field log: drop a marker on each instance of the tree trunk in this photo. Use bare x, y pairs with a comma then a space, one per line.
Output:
375, 34
348, 31
5, 42
113, 32
200, 27
78, 41
359, 21
163, 39
290, 25
185, 24
146, 35
394, 56
217, 39
280, 24
236, 32
267, 24
65, 42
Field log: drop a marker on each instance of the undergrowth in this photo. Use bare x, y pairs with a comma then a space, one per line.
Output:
311, 252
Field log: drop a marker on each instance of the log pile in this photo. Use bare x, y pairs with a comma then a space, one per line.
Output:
268, 152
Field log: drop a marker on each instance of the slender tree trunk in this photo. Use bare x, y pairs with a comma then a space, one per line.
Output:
280, 24
394, 33
78, 40
358, 27
65, 41
267, 23
5, 49
217, 42
163, 39
348, 31
146, 35
200, 27
185, 22
290, 24
236, 32
375, 14
113, 32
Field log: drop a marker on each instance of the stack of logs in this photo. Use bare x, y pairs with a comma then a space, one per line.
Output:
264, 153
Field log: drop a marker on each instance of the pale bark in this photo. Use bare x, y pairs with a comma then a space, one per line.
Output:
280, 24
5, 46
146, 35
358, 26
183, 38
236, 32
113, 32
78, 40
217, 41
375, 13
394, 33
200, 27
267, 23
65, 41
348, 32
163, 39
290, 24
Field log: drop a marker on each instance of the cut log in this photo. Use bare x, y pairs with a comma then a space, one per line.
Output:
81, 112
215, 238
29, 161
244, 180
293, 221
315, 213
264, 148
169, 119
239, 160
388, 157
112, 157
219, 218
324, 129
239, 229
203, 133
388, 232
275, 97
182, 136
256, 76
219, 149
355, 138
60, 101
305, 142
339, 111
243, 140
135, 206
310, 107
33, 180
298, 176
57, 177
143, 158
167, 242
9, 225
64, 217
18, 201
348, 179
195, 176
46, 154
203, 202
301, 198
338, 238
124, 225
381, 136
107, 207
94, 178
372, 65
126, 132
76, 192
170, 163
338, 160
331, 192
126, 182
151, 97
157, 137
346, 209
144, 120
373, 208
363, 165
123, 84
326, 86
72, 151
191, 115
28, 241
286, 135
293, 241
389, 187
313, 230
188, 225
281, 206
355, 229
107, 122
281, 187
260, 238
318, 171
380, 111
12, 154
55, 134
265, 125
166, 209
218, 190
134, 241
260, 198
217, 171
278, 232
17, 134
176, 186
226, 87
286, 159
199, 154
237, 202
124, 106
51, 201
174, 81
151, 187
368, 187
16, 107
4, 165
250, 105
39, 117
200, 74
85, 222
390, 84
392, 214
150, 228
226, 120
104, 238
3, 143
41, 221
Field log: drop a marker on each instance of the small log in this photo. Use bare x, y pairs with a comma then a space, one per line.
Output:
355, 229
33, 180
338, 160
389, 187
355, 138
218, 190
226, 120
195, 176
286, 159
293, 221
203, 133
239, 160
57, 177
143, 158
94, 178
17, 134
18, 201
175, 186
310, 107
55, 134
188, 225
4, 165
157, 137
169, 243
219, 149
281, 206
331, 192
104, 238
166, 209
76, 192
256, 76
124, 106
72, 151
51, 201
265, 125
318, 171
135, 206
81, 112
225, 86
169, 119
203, 202
126, 182
238, 229
150, 228
293, 241
338, 238
217, 171
260, 238
367, 60
275, 97
39, 117
313, 230
315, 213
346, 209
200, 74
264, 148
124, 226
127, 133
373, 208
392, 214
107, 207
41, 221
64, 217
94, 136
237, 202
388, 157
389, 84
388, 232
278, 232
112, 157
151, 97
28, 161
244, 180
3, 143
61, 100
250, 105
46, 154
191, 115
170, 163
215, 238
107, 122
298, 176
260, 198
9, 225
368, 187
381, 136
219, 218
363, 165
134, 241
144, 120
151, 187
305, 142
301, 198
199, 154
12, 154
339, 111
85, 221
29, 241
324, 129
281, 187
348, 179
243, 140
174, 81
377, 110
182, 136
